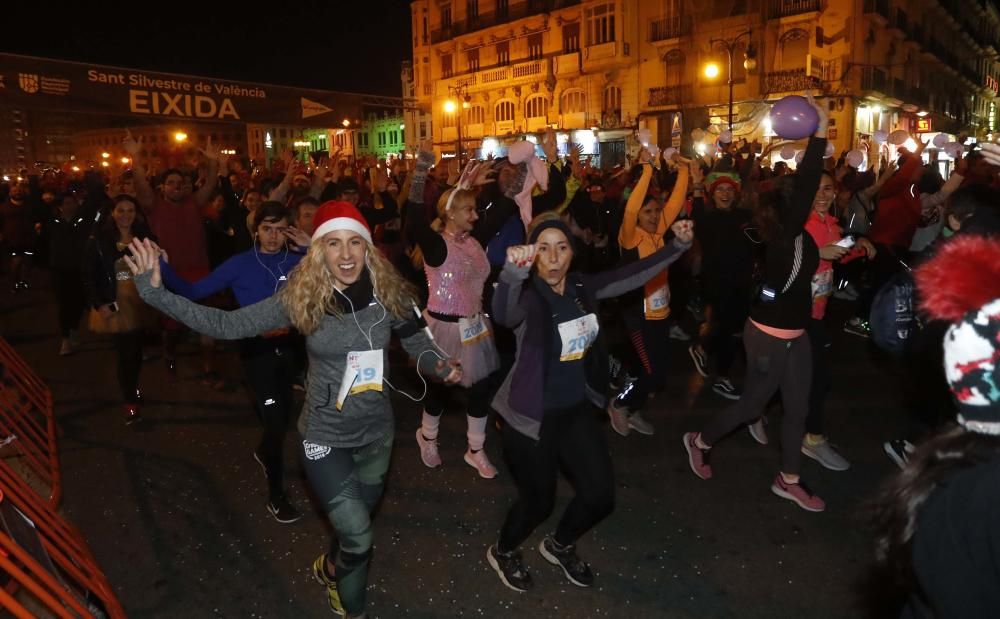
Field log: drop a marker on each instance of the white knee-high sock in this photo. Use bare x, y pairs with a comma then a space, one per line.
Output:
477, 432
429, 426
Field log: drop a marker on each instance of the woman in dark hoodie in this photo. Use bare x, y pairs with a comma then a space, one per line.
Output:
115, 304
68, 232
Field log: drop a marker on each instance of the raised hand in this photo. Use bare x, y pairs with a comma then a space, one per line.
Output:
684, 230
131, 145
991, 153
211, 152
697, 173
824, 115
521, 255
145, 257
297, 236
550, 145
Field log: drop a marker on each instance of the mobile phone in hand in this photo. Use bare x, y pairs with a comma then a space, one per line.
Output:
847, 242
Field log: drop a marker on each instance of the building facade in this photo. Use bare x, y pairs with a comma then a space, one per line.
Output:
603, 68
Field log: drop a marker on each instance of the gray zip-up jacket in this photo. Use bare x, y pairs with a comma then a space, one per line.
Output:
365, 416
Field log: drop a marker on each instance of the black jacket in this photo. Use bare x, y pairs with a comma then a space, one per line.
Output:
67, 242
102, 252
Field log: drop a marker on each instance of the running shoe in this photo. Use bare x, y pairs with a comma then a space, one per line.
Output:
65, 348
481, 463
798, 493
697, 457
428, 450
856, 326
619, 418
757, 430
332, 593
700, 362
509, 568
638, 423
576, 570
679, 334
723, 387
131, 413
899, 451
283, 510
826, 454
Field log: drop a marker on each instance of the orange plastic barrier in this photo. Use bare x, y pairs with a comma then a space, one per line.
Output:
46, 567
27, 423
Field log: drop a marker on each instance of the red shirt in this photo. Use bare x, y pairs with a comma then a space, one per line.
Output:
897, 215
179, 229
823, 230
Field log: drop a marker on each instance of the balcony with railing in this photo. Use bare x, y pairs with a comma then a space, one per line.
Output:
669, 95
874, 80
667, 28
790, 8
791, 80
495, 18
521, 72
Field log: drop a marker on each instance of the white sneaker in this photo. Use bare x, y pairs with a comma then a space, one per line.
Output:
428, 450
638, 423
481, 463
758, 432
676, 333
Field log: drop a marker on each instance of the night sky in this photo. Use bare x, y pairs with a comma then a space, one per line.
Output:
335, 45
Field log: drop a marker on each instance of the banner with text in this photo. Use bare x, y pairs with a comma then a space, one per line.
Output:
80, 87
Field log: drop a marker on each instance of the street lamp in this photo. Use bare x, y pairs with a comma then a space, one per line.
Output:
451, 107
180, 136
749, 63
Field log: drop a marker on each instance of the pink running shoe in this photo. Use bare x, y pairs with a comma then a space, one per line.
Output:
481, 463
799, 493
697, 457
428, 451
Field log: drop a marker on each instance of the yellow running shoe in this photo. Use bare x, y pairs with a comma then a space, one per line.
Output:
319, 571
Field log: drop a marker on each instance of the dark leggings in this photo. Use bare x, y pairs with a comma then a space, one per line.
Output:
772, 363
650, 346
269, 369
729, 312
574, 440
70, 298
129, 346
819, 341
477, 394
348, 482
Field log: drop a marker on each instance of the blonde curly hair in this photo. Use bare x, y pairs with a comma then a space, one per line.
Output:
309, 295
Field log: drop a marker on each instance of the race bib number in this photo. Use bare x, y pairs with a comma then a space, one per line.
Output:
577, 336
472, 329
822, 284
658, 300
363, 373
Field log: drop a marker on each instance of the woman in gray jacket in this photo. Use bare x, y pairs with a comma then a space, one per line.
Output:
346, 298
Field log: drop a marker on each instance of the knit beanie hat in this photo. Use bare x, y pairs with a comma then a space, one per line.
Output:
333, 215
715, 179
545, 224
961, 284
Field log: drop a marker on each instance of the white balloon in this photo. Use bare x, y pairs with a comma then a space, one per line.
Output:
654, 150
898, 137
669, 152
799, 156
645, 136
954, 148
940, 140
830, 150
855, 158
726, 136
697, 135
787, 152
880, 136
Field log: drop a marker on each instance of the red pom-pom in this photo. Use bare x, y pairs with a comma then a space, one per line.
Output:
963, 276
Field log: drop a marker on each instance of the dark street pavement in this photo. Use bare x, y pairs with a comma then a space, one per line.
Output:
174, 507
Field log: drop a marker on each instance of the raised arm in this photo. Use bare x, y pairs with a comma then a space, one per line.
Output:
219, 279
626, 234
507, 308
616, 282
212, 154
143, 192
795, 215
674, 203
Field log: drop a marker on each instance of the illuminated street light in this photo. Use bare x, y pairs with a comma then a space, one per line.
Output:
346, 123
75, 168
449, 106
125, 160
180, 136
402, 126
105, 164
711, 70
105, 155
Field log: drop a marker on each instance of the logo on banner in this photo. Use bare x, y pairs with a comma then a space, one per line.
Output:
311, 108
28, 82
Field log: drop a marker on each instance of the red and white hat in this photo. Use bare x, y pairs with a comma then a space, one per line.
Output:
335, 215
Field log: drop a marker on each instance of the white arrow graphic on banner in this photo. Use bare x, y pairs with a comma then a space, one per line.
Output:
311, 108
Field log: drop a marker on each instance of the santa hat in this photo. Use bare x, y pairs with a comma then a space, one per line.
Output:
715, 179
961, 284
334, 215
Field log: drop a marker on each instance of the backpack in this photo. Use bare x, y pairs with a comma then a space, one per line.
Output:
893, 318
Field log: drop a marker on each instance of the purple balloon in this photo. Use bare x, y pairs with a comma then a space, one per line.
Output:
793, 118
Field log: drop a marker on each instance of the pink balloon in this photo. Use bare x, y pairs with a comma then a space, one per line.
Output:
787, 152
880, 136
940, 140
793, 118
799, 156
726, 136
669, 152
855, 158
